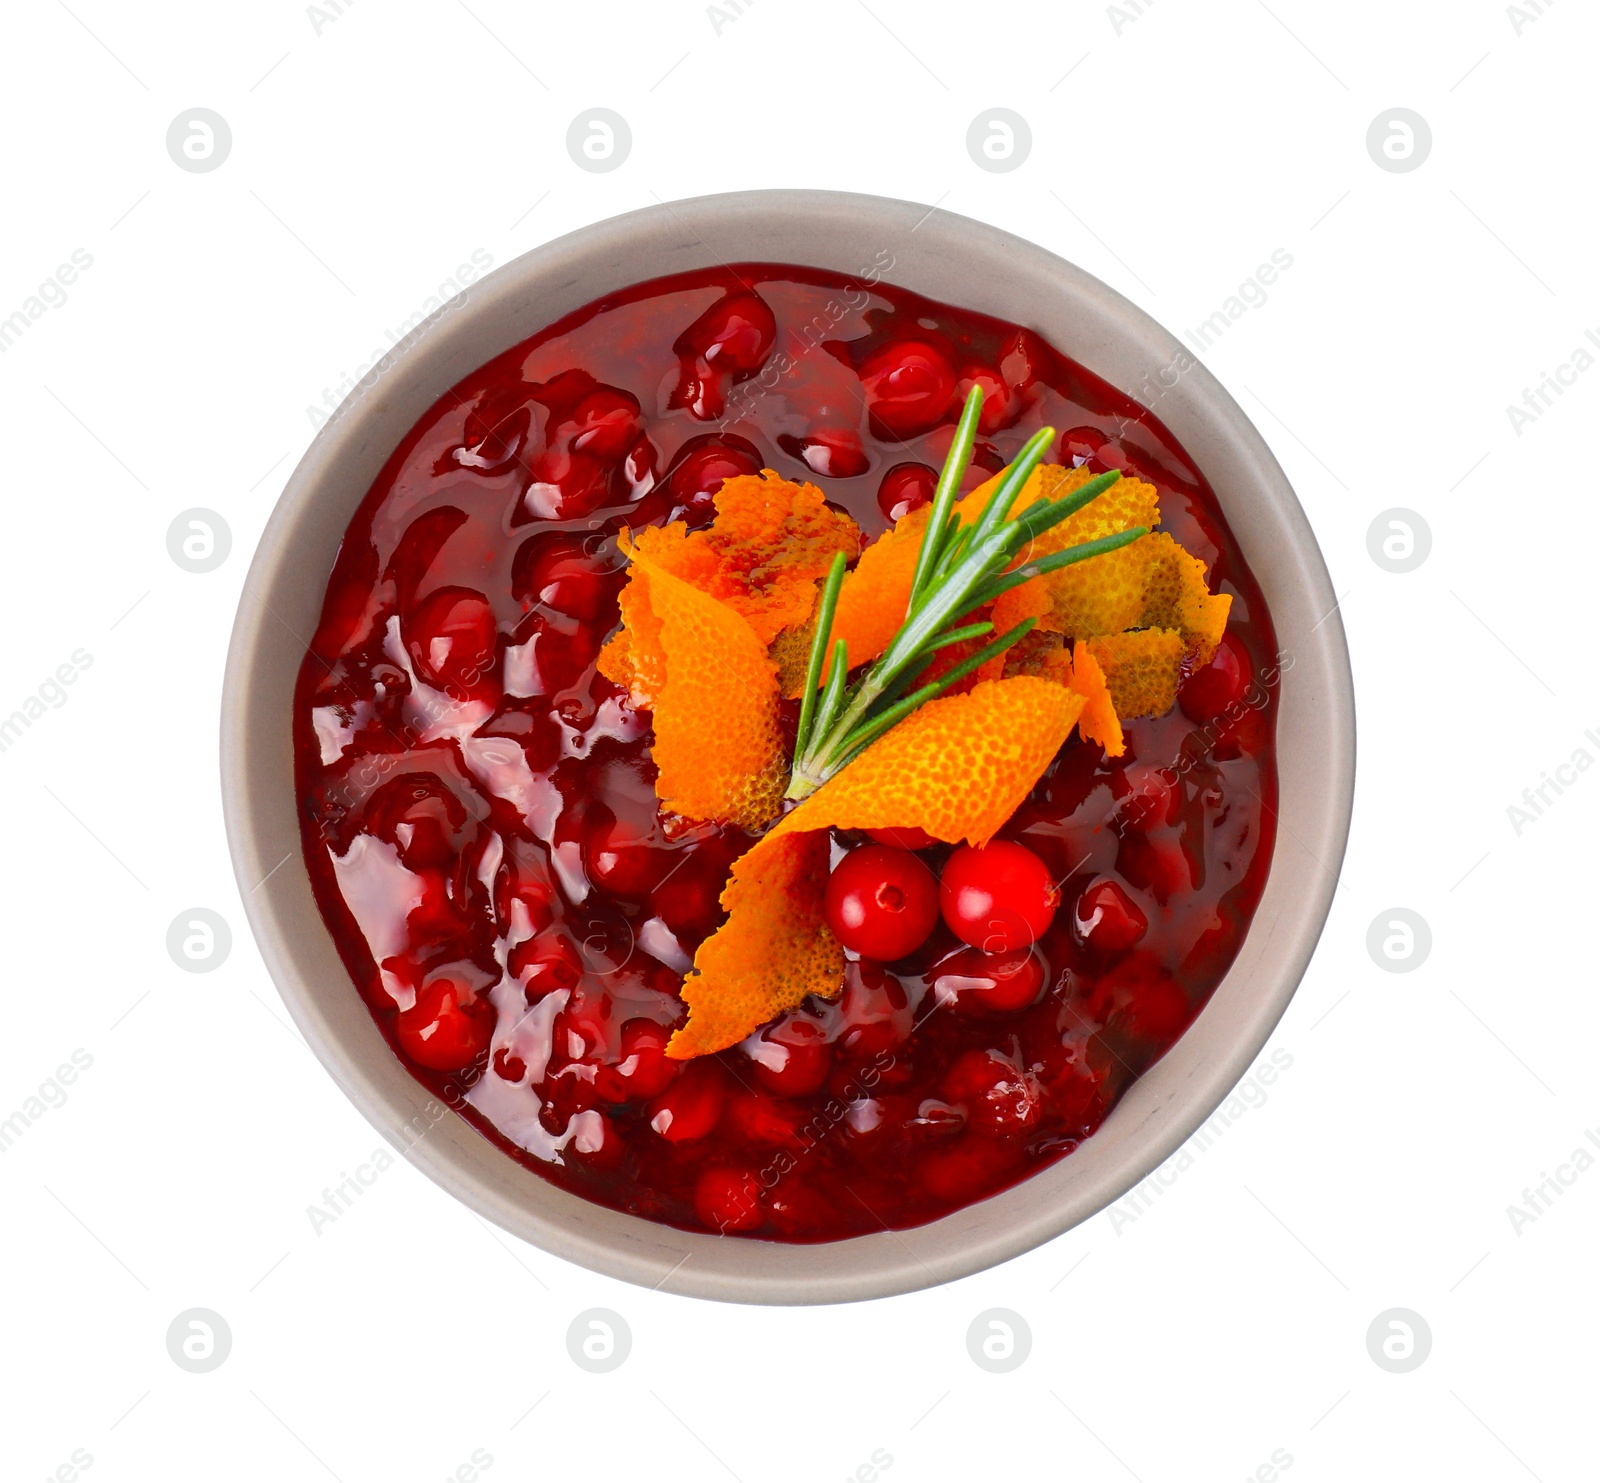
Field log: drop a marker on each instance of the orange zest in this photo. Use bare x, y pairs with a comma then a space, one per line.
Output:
958, 767
762, 555
699, 666
1142, 669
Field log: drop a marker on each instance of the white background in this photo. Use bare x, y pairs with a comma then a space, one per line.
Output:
1173, 151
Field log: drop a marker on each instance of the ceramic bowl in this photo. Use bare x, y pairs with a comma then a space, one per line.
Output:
945, 257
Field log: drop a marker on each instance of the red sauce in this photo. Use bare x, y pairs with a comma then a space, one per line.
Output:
480, 825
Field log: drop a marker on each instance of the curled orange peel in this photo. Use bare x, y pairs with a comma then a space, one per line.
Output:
763, 553
957, 767
700, 668
1142, 669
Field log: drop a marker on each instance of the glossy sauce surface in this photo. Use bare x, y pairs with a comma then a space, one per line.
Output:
479, 819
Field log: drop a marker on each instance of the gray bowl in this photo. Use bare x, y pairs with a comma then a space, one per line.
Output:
946, 257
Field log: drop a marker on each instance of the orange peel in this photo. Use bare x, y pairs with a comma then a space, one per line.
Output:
1142, 668
763, 553
688, 657
957, 767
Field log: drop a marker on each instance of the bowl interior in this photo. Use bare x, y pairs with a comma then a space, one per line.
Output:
942, 256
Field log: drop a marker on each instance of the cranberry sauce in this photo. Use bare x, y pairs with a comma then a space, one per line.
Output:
480, 824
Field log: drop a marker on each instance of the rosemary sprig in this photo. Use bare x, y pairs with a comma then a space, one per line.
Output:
961, 567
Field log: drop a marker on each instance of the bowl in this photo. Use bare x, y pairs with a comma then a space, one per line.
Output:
943, 256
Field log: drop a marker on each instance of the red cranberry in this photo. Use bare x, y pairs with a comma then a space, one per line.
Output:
1108, 920
643, 1070
1080, 445
756, 1118
620, 855
881, 902
909, 386
1156, 864
1151, 797
1212, 689
829, 452
583, 1028
567, 484
970, 1167
905, 838
606, 424
873, 1020
507, 1066
447, 1029
728, 1200
996, 983
999, 898
1244, 736
570, 574
595, 1141
545, 962
701, 465
906, 487
451, 641
689, 900
1146, 998
998, 1095
690, 1107
792, 1058
999, 405
735, 334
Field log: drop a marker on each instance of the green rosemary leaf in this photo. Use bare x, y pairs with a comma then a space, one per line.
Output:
944, 494
1053, 563
819, 647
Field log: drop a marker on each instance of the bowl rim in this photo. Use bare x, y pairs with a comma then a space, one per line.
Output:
1161, 1110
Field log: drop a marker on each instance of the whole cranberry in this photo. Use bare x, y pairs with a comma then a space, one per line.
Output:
881, 902
999, 403
991, 983
701, 466
728, 1200
906, 487
1144, 997
829, 452
605, 424
1215, 687
451, 638
909, 386
998, 1095
623, 856
1107, 919
545, 962
448, 1027
791, 1058
735, 334
999, 898
578, 575
643, 1070
690, 1107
